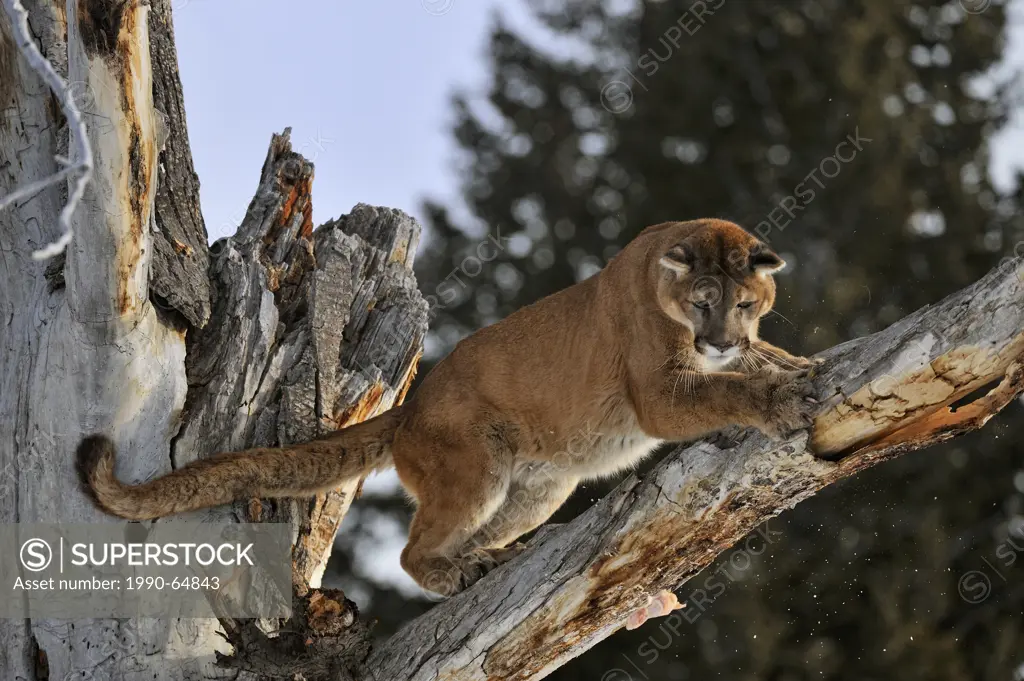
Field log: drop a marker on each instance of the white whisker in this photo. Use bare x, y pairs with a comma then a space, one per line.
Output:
783, 316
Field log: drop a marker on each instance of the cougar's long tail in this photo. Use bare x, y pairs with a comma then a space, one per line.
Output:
294, 471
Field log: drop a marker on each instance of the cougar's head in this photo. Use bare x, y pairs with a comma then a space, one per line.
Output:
715, 279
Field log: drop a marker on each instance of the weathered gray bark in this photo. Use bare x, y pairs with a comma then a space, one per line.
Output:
141, 332
884, 395
85, 350
178, 276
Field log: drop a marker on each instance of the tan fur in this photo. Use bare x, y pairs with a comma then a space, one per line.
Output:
579, 385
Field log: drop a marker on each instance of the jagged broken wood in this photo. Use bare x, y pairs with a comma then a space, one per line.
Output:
883, 395
310, 331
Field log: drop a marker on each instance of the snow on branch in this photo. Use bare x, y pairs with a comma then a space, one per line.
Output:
78, 168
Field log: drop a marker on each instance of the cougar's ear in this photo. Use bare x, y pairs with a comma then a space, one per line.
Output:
679, 260
765, 261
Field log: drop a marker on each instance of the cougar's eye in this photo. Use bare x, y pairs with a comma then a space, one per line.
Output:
702, 305
744, 305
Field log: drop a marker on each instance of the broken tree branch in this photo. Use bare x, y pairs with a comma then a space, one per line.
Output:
81, 168
310, 331
882, 395
177, 279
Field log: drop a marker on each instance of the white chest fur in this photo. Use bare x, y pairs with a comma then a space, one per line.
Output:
603, 449
612, 453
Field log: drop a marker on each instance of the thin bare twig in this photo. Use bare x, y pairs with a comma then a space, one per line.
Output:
79, 171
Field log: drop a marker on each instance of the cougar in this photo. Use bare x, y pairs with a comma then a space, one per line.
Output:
661, 345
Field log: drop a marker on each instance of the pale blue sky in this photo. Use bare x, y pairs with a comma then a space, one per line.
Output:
365, 87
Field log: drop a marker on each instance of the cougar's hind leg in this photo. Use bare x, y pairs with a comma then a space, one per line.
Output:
458, 483
533, 497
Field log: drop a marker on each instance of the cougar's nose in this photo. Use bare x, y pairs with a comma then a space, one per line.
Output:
714, 348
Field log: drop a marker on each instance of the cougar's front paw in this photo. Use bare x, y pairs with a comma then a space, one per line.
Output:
787, 402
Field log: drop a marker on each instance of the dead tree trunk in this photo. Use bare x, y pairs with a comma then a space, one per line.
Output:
282, 332
178, 350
